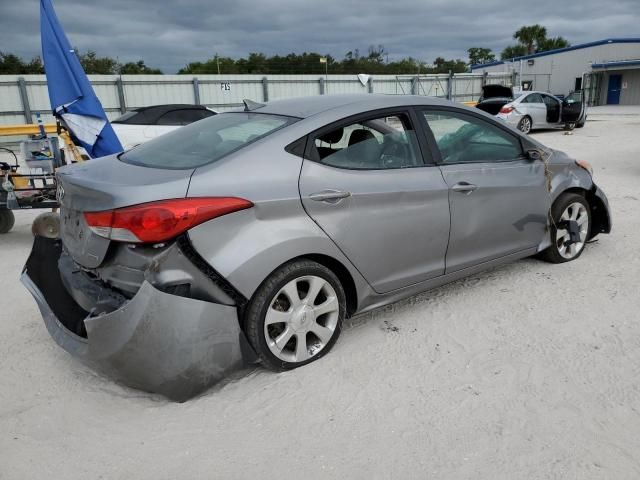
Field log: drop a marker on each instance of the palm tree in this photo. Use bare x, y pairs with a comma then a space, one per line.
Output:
553, 44
531, 36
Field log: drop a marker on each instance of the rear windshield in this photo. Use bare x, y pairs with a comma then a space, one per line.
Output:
205, 141
126, 118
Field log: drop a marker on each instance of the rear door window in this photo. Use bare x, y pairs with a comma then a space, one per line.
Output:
205, 142
381, 142
532, 98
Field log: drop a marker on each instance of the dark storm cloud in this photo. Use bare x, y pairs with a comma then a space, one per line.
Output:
171, 34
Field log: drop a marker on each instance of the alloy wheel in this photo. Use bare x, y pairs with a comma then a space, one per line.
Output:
525, 125
575, 212
301, 319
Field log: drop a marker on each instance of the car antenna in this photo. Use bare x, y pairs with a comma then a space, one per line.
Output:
250, 105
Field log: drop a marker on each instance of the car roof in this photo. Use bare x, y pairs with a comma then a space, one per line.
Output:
304, 107
527, 92
151, 114
160, 109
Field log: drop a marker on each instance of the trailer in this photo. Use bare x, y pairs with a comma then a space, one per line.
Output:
33, 186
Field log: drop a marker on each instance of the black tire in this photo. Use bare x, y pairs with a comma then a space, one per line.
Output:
569, 126
552, 254
7, 220
522, 124
254, 320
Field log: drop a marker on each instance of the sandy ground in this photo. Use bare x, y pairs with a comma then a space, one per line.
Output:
529, 371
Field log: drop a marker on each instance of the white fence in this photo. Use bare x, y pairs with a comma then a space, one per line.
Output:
21, 97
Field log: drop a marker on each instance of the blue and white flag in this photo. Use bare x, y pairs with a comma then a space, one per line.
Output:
70, 92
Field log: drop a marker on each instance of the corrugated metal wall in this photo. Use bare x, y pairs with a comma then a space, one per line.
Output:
630, 92
22, 96
557, 72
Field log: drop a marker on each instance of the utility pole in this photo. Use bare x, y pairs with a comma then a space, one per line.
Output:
218, 62
326, 71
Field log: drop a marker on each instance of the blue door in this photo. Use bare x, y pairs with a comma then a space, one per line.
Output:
613, 92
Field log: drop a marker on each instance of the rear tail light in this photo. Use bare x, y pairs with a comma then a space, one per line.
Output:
506, 109
160, 221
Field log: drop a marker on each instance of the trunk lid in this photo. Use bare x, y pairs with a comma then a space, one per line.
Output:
493, 105
105, 184
496, 91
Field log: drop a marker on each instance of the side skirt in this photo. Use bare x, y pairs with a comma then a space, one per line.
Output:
375, 301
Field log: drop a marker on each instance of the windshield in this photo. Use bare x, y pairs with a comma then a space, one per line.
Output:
205, 141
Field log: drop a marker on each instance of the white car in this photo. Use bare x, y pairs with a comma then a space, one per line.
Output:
142, 124
529, 110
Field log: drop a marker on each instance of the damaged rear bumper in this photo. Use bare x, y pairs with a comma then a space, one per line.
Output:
156, 341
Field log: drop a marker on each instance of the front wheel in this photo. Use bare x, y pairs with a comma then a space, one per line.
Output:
296, 315
524, 125
7, 220
570, 223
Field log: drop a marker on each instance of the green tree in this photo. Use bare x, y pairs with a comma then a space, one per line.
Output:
513, 51
35, 66
90, 61
11, 64
137, 68
224, 65
406, 66
441, 65
479, 55
553, 44
532, 39
531, 36
92, 64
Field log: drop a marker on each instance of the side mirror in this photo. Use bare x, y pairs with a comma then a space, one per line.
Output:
534, 154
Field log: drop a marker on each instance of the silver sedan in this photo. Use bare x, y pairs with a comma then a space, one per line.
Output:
251, 235
538, 110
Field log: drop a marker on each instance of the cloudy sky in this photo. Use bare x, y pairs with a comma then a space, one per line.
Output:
170, 34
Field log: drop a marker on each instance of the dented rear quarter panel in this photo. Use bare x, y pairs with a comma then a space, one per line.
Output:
246, 246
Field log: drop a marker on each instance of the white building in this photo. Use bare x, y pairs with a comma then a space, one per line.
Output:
608, 70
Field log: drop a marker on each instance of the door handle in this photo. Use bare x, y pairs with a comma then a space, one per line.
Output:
329, 196
464, 187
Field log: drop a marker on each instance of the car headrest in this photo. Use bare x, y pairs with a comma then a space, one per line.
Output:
360, 135
334, 136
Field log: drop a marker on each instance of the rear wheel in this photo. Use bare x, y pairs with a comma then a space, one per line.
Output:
524, 125
296, 315
7, 220
571, 220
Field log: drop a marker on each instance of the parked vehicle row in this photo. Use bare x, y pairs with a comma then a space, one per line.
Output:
251, 235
